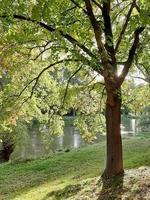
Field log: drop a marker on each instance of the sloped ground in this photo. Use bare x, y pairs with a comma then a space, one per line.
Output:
70, 175
135, 185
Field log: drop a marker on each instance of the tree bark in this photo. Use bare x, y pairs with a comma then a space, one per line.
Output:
114, 160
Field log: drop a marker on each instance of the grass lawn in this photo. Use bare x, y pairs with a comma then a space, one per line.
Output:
35, 180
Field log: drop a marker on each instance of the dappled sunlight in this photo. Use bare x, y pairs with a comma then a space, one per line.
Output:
111, 188
39, 192
74, 99
70, 175
133, 185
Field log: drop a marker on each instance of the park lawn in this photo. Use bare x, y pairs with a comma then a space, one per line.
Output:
38, 179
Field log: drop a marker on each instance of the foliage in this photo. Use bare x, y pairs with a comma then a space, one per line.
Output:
71, 21
144, 119
135, 97
52, 51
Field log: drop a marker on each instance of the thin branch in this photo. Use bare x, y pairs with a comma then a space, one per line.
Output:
66, 90
69, 9
120, 12
91, 80
41, 46
100, 83
104, 88
36, 79
138, 77
124, 27
116, 5
76, 4
137, 7
97, 4
43, 51
102, 97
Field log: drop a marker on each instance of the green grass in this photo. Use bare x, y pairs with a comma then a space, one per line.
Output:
34, 180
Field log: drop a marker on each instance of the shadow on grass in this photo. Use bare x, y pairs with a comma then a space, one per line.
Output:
64, 193
111, 189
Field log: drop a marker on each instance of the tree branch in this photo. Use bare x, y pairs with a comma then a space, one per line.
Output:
131, 55
124, 27
108, 31
138, 77
69, 9
97, 32
97, 4
41, 52
41, 46
121, 10
77, 5
52, 29
116, 5
36, 79
66, 90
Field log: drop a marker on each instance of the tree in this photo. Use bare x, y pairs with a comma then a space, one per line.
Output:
135, 97
7, 149
46, 99
89, 33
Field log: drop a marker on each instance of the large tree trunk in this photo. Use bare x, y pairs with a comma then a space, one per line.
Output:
114, 160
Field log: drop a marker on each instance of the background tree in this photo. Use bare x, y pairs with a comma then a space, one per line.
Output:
24, 99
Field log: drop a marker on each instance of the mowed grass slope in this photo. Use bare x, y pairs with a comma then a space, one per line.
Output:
34, 180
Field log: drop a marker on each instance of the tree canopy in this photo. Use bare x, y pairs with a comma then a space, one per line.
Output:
61, 54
